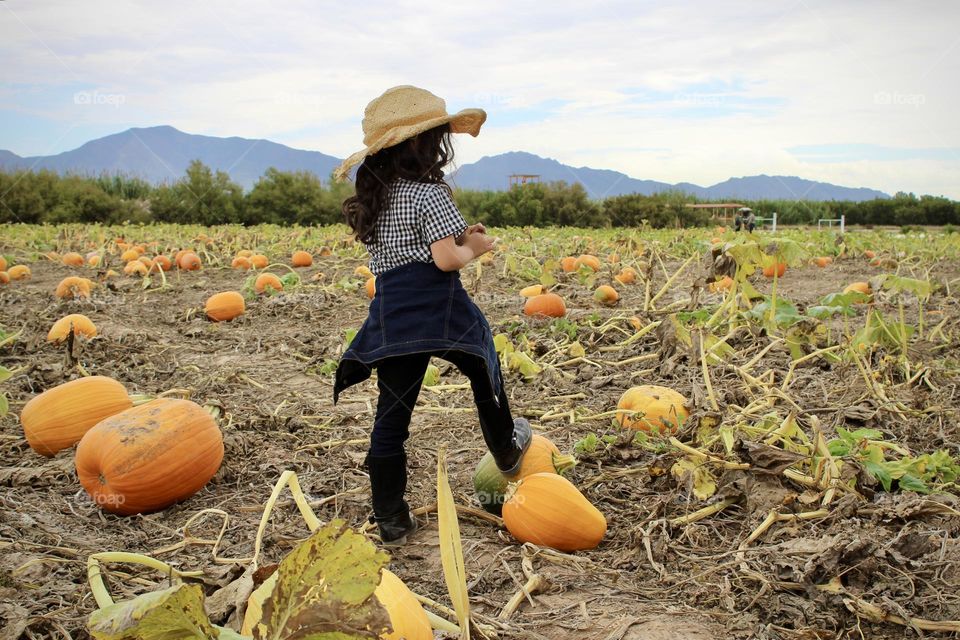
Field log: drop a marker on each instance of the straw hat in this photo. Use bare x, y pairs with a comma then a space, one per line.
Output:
403, 112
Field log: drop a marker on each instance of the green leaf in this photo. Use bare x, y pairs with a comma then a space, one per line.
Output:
170, 614
5, 374
879, 472
432, 376
348, 336
290, 280
324, 588
907, 482
521, 362
587, 444
920, 288
501, 342
4, 405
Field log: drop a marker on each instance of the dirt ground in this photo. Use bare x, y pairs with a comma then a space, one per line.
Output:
647, 579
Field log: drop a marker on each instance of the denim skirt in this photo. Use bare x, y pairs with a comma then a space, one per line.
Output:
418, 308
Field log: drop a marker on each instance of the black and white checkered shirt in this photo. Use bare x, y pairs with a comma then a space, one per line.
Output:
417, 215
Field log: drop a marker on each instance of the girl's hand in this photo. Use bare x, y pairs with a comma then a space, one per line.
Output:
479, 242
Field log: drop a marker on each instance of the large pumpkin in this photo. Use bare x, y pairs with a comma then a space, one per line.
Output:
59, 417
546, 509
225, 306
546, 304
149, 457
658, 408
543, 456
407, 617
302, 259
73, 287
77, 323
267, 281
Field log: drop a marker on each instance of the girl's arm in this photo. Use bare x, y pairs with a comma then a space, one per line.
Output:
449, 256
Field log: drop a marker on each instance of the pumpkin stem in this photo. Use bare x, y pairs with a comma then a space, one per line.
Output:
563, 462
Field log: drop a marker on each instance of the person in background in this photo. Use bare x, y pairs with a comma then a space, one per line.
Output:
738, 221
751, 221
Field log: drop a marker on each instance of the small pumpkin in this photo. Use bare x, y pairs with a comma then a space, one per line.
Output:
4, 277
822, 261
859, 287
244, 253
73, 287
778, 268
363, 271
543, 456
546, 304
225, 306
724, 283
77, 323
658, 408
93, 260
149, 457
3, 263
371, 287
19, 272
606, 295
259, 261
135, 268
627, 275
60, 416
267, 281
546, 509
241, 263
301, 259
589, 260
189, 261
72, 259
869, 255
129, 255
162, 262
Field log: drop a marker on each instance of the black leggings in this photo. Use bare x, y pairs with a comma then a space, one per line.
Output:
399, 379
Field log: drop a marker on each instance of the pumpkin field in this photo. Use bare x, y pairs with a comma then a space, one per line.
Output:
739, 436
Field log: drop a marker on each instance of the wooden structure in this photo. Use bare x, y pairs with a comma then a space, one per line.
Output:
518, 179
723, 212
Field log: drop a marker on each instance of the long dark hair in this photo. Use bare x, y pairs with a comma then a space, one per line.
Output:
420, 159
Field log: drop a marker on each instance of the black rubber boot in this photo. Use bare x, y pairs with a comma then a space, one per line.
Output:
388, 481
509, 459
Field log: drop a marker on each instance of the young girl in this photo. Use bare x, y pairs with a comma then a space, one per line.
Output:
404, 213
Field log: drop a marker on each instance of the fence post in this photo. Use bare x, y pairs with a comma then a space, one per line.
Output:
843, 220
774, 228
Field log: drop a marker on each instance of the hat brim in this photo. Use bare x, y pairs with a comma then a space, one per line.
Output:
465, 121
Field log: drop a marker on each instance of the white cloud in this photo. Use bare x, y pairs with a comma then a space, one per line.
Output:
725, 88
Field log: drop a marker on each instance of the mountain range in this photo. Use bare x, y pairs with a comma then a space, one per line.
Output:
162, 154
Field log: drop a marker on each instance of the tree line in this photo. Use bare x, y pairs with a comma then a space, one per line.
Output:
208, 197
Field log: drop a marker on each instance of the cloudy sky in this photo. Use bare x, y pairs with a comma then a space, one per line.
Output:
858, 93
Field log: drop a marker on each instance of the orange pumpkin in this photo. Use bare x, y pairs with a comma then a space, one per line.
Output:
371, 287
568, 264
658, 409
860, 287
93, 260
130, 255
870, 255
267, 281
77, 323
546, 304
59, 417
822, 261
776, 267
73, 287
135, 268
301, 259
189, 261
542, 456
589, 260
244, 253
259, 261
19, 272
224, 306
72, 259
607, 295
627, 275
4, 278
546, 509
241, 263
3, 263
723, 284
363, 271
532, 290
149, 457
162, 262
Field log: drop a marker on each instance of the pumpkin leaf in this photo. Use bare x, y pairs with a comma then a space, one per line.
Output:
324, 588
432, 376
878, 472
576, 350
920, 288
502, 344
172, 614
5, 374
696, 476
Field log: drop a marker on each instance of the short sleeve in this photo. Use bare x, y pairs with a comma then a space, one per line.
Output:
439, 216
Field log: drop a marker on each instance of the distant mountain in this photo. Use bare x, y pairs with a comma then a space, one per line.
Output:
162, 154
492, 172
